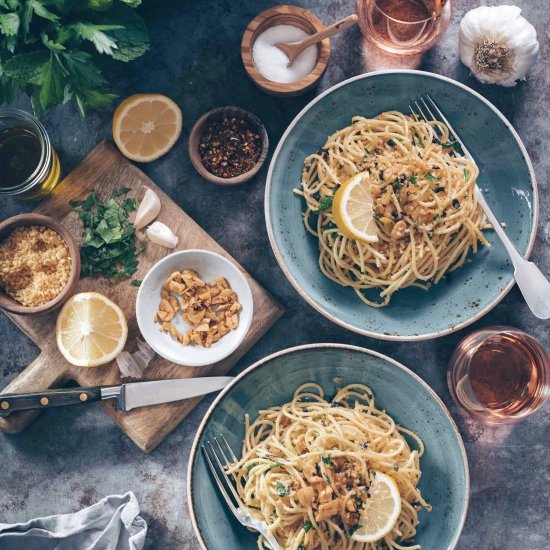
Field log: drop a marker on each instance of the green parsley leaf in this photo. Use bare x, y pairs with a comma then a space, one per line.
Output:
354, 528
430, 177
109, 248
413, 179
391, 143
466, 174
282, 491
417, 141
307, 526
326, 460
437, 217
9, 24
329, 225
325, 203
120, 191
276, 465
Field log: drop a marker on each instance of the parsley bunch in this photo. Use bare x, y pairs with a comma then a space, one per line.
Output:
108, 249
53, 49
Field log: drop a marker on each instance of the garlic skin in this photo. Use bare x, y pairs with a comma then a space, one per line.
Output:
497, 44
148, 210
162, 234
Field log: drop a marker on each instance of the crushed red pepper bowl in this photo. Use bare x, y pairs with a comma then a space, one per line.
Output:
220, 114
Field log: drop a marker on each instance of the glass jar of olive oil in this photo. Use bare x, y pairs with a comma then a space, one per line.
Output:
29, 166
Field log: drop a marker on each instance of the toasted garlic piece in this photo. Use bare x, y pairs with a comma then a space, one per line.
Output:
148, 210
162, 234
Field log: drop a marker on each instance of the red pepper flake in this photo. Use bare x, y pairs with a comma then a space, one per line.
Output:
230, 147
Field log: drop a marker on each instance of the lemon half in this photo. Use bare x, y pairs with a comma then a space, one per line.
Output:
352, 209
91, 330
382, 510
146, 126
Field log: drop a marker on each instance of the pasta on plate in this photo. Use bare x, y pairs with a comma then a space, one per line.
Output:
424, 207
308, 468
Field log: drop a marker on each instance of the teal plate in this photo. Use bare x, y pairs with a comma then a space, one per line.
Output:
505, 173
409, 400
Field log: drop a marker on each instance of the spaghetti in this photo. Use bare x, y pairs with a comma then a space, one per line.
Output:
308, 455
424, 204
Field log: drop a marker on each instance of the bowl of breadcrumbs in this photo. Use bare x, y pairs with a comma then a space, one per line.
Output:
39, 264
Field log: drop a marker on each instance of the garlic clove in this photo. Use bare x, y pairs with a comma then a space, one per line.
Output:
148, 210
162, 234
497, 44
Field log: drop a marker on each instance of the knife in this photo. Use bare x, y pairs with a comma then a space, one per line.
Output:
129, 396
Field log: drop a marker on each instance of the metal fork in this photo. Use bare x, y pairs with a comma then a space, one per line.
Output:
218, 465
532, 283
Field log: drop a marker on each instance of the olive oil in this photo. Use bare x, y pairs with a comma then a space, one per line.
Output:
29, 166
20, 152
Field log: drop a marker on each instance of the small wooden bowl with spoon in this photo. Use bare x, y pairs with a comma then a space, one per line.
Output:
302, 19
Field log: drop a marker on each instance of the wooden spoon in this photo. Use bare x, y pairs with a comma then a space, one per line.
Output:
293, 49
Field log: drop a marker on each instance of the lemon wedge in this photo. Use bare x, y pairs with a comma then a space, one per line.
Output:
146, 126
91, 330
381, 511
352, 209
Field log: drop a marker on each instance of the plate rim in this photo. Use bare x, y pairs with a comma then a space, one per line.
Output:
321, 309
287, 351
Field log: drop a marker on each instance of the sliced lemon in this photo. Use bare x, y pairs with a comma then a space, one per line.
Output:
91, 330
146, 126
382, 510
352, 209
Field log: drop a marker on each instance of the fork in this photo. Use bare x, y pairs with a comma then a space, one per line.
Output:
532, 283
236, 505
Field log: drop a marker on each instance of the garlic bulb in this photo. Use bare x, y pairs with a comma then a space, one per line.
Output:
497, 44
162, 234
148, 210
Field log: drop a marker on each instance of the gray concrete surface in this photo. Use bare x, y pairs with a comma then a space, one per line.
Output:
71, 458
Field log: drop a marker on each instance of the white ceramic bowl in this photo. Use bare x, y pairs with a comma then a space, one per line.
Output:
209, 266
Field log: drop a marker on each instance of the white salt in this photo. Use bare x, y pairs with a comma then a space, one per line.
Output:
272, 63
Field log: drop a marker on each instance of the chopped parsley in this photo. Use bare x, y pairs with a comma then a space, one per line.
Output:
391, 143
325, 203
282, 491
439, 188
430, 177
301, 546
326, 460
417, 141
109, 248
413, 179
454, 145
250, 467
307, 526
416, 224
329, 225
466, 174
354, 528
456, 203
437, 217
276, 465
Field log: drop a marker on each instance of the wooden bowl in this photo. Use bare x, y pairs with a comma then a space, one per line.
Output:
284, 15
219, 114
6, 227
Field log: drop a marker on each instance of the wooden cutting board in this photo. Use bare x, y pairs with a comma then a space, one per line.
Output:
104, 170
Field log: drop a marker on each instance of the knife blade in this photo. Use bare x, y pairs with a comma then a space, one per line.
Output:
129, 396
143, 394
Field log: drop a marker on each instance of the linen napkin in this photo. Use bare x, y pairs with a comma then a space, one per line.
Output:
111, 524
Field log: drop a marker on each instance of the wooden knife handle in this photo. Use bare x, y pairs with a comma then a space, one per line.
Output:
48, 398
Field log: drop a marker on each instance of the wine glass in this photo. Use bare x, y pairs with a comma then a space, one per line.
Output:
403, 27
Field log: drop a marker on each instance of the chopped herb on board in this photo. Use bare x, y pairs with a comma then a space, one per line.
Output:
136, 282
108, 249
